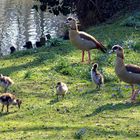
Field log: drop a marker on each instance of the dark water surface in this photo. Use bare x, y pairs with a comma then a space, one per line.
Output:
20, 23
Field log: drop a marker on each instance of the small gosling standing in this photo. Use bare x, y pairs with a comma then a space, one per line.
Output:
96, 76
5, 82
7, 99
61, 89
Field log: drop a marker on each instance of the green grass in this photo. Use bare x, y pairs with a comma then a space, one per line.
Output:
85, 113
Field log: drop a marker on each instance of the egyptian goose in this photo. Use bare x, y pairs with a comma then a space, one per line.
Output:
96, 76
82, 40
61, 89
5, 81
128, 73
7, 99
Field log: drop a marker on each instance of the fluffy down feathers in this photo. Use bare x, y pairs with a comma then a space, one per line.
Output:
61, 89
96, 76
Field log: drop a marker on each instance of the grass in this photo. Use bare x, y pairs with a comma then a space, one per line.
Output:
85, 113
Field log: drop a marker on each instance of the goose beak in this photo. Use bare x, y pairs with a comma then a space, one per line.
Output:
19, 106
19, 103
66, 22
110, 52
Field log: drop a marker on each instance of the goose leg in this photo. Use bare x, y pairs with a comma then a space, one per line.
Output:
83, 53
7, 108
6, 88
120, 86
99, 87
57, 97
2, 108
63, 95
89, 56
133, 92
135, 95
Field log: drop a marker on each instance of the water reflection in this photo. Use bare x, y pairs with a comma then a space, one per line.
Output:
20, 23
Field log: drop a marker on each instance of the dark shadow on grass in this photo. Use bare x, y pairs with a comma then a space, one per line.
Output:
6, 113
92, 91
63, 48
54, 101
113, 107
103, 132
99, 132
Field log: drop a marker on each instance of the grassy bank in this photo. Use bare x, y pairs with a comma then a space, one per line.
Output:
85, 113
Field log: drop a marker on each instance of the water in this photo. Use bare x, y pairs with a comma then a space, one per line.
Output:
20, 23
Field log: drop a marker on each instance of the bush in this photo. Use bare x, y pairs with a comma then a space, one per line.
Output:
132, 21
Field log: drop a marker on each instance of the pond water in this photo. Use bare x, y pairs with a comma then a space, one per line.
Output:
20, 23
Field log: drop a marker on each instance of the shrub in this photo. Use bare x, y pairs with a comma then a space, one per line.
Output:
132, 21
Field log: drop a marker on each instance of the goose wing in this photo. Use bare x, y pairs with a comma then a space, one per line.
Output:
92, 39
133, 68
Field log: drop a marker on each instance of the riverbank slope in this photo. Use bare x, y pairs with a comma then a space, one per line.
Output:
85, 113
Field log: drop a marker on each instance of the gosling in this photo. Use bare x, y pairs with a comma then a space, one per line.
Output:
7, 99
96, 76
61, 89
5, 82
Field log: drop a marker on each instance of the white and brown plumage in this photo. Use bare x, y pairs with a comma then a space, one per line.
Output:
82, 40
7, 99
5, 81
96, 76
128, 73
61, 89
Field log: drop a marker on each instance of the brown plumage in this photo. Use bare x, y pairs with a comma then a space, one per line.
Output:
82, 40
136, 92
7, 99
132, 68
128, 73
96, 76
5, 82
61, 89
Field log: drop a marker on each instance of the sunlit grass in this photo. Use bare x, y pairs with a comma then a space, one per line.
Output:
85, 113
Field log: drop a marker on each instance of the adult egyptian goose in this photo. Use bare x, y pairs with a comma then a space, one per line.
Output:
96, 76
61, 89
82, 40
7, 99
5, 82
128, 73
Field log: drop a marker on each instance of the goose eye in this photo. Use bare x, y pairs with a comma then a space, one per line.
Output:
115, 48
69, 19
